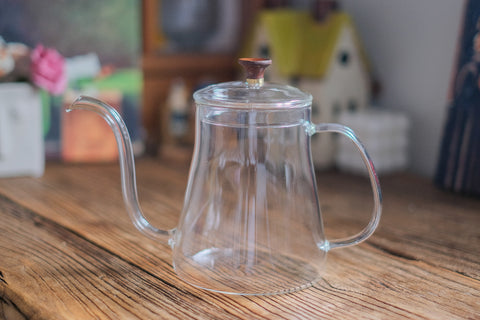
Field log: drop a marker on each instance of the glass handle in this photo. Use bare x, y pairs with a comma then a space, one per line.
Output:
375, 184
127, 166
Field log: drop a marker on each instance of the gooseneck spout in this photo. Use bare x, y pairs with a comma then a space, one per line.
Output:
127, 166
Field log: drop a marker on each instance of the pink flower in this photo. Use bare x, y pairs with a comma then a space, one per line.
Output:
48, 70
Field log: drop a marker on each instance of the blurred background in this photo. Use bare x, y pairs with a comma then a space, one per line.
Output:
387, 68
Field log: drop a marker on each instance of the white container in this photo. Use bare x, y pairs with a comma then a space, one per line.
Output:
21, 137
385, 136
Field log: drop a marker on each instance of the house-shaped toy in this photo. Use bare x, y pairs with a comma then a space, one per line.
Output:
324, 58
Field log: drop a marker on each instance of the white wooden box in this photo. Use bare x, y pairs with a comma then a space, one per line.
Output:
21, 131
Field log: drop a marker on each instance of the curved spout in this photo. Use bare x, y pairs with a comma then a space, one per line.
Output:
127, 166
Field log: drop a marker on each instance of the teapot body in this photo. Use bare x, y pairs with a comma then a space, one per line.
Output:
251, 220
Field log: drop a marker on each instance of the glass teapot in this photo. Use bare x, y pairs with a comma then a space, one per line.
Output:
251, 221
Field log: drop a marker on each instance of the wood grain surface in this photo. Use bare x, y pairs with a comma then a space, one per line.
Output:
69, 251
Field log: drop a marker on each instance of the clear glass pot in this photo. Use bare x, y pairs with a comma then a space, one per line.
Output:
251, 221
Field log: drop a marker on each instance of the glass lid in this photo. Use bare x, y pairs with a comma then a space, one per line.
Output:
254, 92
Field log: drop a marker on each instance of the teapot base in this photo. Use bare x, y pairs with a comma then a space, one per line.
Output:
248, 272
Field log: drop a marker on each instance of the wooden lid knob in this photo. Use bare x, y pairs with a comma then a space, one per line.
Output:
255, 67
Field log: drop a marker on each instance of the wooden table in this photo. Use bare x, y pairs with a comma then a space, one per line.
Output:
69, 251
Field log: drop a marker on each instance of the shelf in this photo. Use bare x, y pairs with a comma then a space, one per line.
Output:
164, 65
160, 69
